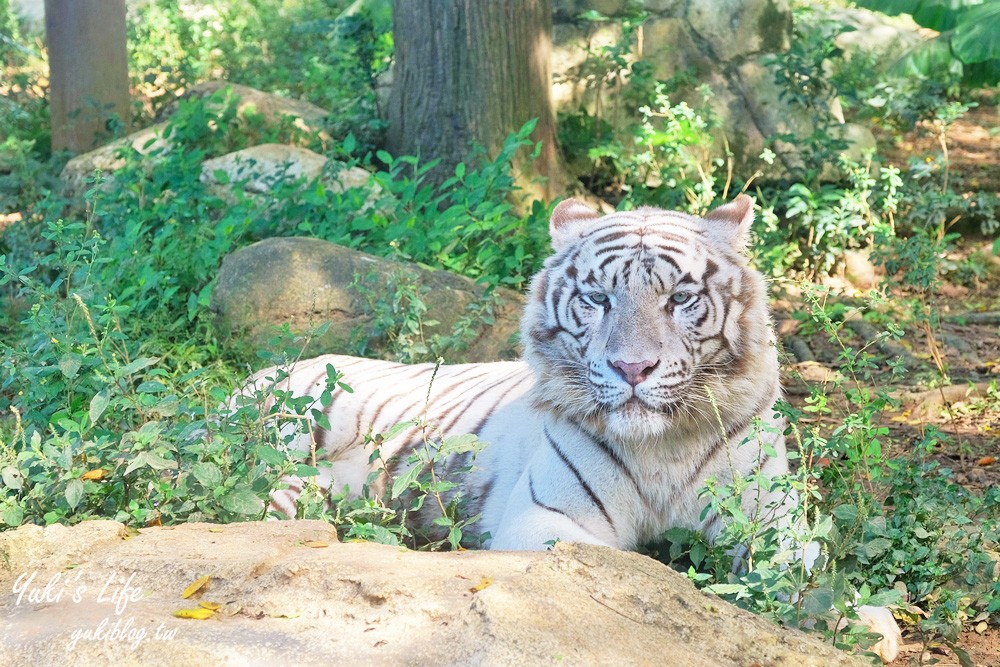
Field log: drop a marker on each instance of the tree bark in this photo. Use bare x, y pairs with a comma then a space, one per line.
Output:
471, 72
88, 70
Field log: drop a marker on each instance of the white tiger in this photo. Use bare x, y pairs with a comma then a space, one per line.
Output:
649, 360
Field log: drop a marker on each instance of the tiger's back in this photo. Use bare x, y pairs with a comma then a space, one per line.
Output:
451, 399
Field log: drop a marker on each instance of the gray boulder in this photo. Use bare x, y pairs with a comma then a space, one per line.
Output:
723, 44
259, 169
154, 140
288, 593
306, 282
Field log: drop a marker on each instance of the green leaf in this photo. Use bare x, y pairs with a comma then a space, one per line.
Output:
459, 444
876, 547
382, 535
303, 470
157, 462
817, 601
397, 429
270, 455
137, 365
964, 659
937, 15
69, 365
349, 143
208, 474
242, 500
823, 527
321, 418
884, 598
403, 482
149, 460
98, 404
167, 406
12, 478
221, 176
977, 34
151, 387
74, 493
13, 515
848, 513
726, 589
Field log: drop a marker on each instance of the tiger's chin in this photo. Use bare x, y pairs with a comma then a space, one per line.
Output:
636, 421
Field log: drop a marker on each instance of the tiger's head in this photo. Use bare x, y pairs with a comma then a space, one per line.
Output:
649, 320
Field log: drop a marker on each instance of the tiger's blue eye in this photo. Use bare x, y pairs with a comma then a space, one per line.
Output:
680, 298
596, 298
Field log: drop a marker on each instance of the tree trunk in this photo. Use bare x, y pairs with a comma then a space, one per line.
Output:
471, 72
88, 70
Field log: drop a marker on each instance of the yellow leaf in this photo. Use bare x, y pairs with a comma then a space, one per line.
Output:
198, 584
211, 606
315, 544
198, 614
215, 530
99, 473
483, 583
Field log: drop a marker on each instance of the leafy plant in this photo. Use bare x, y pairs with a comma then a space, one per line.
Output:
629, 140
879, 523
967, 43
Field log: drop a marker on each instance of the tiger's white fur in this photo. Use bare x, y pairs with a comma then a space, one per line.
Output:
650, 366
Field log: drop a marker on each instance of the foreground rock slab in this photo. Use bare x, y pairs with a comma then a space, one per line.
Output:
291, 594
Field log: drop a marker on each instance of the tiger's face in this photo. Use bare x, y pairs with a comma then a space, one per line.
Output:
642, 319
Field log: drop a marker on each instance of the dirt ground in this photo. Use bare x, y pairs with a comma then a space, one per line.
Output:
973, 144
966, 343
962, 410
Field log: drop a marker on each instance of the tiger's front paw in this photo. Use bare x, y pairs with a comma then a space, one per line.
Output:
880, 620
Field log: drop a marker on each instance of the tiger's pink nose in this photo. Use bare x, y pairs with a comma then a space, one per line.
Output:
634, 373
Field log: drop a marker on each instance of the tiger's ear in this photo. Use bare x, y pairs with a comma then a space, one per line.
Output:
730, 223
569, 220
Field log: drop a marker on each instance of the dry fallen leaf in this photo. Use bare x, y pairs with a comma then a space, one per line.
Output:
215, 530
315, 544
198, 584
99, 473
483, 583
211, 606
198, 613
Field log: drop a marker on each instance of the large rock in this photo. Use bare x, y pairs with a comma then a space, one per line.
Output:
306, 116
154, 140
711, 39
109, 158
306, 282
721, 44
290, 593
260, 169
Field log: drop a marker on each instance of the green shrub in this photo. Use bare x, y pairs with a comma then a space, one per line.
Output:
890, 529
329, 53
966, 45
